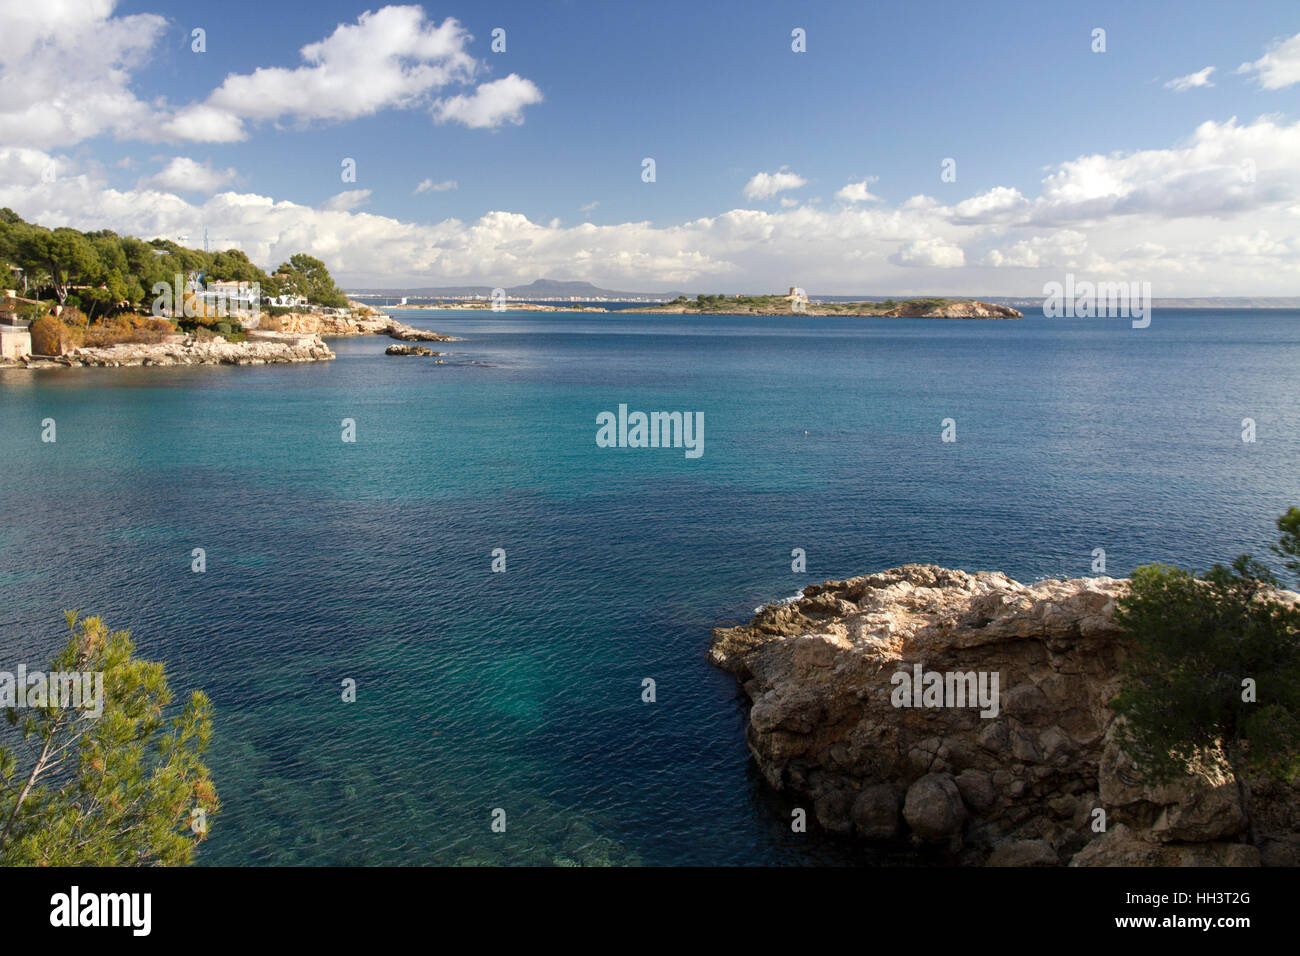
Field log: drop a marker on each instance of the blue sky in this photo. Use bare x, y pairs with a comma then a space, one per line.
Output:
713, 92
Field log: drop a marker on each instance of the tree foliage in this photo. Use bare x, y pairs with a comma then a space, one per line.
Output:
117, 789
106, 274
306, 275
1214, 679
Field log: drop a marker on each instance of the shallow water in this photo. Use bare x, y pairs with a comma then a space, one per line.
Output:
371, 560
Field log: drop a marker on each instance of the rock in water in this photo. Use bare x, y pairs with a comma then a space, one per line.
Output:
866, 699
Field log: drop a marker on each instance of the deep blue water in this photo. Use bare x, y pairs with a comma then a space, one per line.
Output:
371, 561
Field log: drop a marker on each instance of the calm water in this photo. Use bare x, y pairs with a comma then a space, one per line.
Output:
371, 561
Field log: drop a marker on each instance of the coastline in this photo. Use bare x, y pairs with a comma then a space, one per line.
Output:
296, 337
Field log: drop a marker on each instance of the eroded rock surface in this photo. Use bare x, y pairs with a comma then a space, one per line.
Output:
1018, 788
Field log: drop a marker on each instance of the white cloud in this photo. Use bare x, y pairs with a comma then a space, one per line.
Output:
65, 71
1279, 67
1182, 84
857, 192
1194, 219
428, 185
492, 104
767, 185
1037, 251
1224, 168
183, 174
588, 207
1000, 202
390, 58
200, 123
934, 253
347, 200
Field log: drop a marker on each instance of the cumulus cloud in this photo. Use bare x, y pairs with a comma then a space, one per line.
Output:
492, 104
1058, 248
1000, 202
346, 200
1191, 81
767, 185
183, 174
392, 58
857, 192
1216, 214
934, 253
428, 185
1224, 168
65, 71
1279, 67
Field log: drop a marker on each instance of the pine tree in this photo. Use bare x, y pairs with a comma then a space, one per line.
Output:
1214, 679
125, 788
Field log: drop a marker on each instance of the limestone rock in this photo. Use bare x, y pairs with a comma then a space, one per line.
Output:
825, 721
260, 348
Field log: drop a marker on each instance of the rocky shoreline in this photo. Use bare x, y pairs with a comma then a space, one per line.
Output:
296, 337
267, 348
1041, 783
337, 326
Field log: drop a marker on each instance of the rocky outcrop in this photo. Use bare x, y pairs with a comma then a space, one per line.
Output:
264, 348
407, 333
1008, 757
324, 324
954, 310
409, 350
355, 323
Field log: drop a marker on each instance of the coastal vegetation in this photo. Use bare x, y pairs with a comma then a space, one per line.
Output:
108, 782
100, 285
1214, 681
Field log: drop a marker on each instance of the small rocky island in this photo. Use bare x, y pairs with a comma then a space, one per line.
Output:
828, 725
796, 303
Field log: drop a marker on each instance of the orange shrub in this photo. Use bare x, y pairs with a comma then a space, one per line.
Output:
50, 336
122, 329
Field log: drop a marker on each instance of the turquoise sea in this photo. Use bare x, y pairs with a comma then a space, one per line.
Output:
371, 560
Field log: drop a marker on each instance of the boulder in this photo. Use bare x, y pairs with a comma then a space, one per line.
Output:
933, 808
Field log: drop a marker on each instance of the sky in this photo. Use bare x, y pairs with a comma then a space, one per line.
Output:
911, 147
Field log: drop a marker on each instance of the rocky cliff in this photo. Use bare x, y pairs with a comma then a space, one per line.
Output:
970, 712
